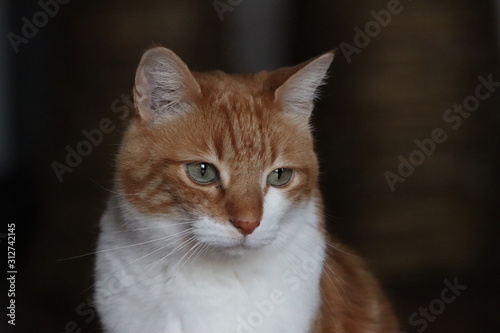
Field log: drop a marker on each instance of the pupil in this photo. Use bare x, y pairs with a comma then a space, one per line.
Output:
203, 169
280, 172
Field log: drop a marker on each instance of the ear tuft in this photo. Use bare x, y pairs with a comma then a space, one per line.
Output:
298, 92
164, 86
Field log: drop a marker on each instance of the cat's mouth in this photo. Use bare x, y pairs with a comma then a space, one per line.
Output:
233, 251
224, 239
242, 246
238, 250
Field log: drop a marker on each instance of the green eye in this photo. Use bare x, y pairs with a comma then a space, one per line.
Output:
279, 177
202, 173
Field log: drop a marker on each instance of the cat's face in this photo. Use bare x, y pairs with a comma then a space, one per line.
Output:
224, 162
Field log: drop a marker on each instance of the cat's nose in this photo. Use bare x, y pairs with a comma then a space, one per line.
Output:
245, 227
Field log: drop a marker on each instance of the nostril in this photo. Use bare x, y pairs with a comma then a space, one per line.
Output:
245, 227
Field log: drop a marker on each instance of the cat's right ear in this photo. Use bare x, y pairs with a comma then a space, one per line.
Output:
164, 86
298, 92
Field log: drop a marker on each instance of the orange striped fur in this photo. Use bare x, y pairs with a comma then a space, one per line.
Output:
242, 125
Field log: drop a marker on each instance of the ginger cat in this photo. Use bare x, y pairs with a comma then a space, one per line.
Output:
216, 222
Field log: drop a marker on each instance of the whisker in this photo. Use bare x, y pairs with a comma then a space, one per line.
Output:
113, 249
176, 249
102, 187
154, 227
203, 249
162, 247
337, 248
339, 286
112, 191
193, 249
150, 248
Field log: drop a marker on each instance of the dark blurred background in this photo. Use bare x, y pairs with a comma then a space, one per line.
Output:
65, 66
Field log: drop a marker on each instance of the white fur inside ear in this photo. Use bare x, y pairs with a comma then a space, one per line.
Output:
298, 93
164, 86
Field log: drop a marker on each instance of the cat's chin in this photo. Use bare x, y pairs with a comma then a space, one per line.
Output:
234, 251
240, 249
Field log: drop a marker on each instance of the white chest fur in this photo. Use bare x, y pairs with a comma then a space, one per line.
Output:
274, 289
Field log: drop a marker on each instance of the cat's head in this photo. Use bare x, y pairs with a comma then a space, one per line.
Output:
225, 162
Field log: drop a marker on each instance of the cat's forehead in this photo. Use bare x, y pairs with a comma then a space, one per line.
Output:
230, 124
238, 103
217, 83
241, 127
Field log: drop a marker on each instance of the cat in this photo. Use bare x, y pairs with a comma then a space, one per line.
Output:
215, 224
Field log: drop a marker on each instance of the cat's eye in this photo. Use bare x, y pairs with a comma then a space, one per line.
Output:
202, 173
279, 177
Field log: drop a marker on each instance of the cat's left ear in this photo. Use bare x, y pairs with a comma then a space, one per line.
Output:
298, 92
164, 86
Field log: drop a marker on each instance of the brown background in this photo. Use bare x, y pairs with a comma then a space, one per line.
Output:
441, 223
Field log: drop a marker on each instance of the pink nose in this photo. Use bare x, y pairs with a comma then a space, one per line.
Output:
246, 228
